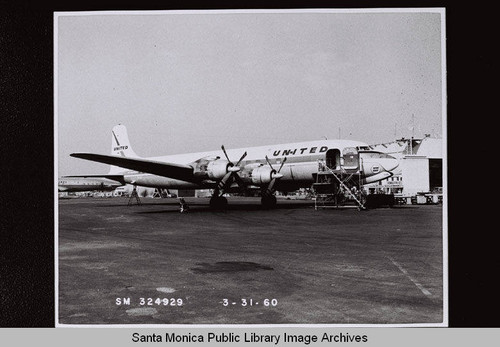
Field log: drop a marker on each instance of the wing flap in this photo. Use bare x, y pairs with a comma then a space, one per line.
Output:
171, 170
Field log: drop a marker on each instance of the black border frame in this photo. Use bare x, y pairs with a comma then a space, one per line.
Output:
27, 169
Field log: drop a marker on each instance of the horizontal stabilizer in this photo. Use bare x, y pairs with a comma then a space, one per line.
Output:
177, 171
117, 178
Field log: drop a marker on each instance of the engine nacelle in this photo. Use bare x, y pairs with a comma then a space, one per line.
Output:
262, 175
218, 168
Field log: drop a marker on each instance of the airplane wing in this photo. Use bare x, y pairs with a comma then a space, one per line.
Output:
177, 171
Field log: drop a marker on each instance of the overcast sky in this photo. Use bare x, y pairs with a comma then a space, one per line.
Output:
192, 82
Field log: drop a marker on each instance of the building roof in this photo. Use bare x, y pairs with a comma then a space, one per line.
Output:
431, 148
428, 147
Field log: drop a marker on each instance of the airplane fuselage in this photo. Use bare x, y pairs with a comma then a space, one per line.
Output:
299, 171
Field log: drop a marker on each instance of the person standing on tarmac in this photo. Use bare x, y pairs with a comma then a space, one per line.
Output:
184, 205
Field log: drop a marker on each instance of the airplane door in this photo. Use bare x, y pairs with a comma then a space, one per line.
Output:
333, 159
351, 158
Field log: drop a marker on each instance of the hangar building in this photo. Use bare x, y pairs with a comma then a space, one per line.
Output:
420, 166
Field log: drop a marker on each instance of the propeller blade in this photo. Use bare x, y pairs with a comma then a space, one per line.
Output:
270, 186
267, 159
225, 181
239, 182
274, 176
232, 173
242, 157
281, 166
224, 150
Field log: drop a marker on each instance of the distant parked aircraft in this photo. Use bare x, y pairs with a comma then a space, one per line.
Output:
88, 183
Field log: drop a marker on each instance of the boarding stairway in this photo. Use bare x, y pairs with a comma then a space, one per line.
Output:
330, 193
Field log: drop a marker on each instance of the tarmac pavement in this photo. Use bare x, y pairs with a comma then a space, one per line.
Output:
150, 264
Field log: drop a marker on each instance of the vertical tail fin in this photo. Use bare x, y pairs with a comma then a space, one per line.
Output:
120, 145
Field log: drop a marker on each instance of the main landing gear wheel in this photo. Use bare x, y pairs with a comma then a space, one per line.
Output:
268, 201
218, 202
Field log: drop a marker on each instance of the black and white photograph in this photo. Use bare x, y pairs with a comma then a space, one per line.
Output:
251, 167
